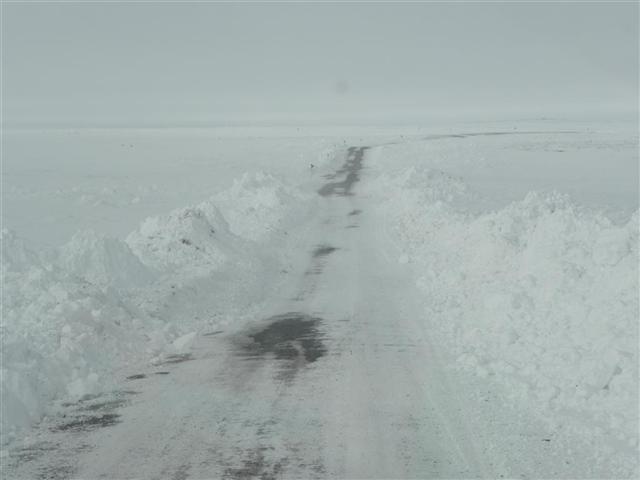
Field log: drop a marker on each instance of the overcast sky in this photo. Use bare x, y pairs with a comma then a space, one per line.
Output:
164, 63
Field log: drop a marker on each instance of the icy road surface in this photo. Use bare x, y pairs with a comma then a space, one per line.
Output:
338, 379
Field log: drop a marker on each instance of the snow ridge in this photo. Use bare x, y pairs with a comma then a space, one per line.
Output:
72, 318
541, 295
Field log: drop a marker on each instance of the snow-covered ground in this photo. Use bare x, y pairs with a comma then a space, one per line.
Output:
526, 248
100, 269
120, 247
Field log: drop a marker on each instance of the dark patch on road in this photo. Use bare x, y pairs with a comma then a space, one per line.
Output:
351, 170
211, 334
178, 358
105, 405
355, 212
126, 392
162, 373
89, 422
293, 339
319, 254
96, 412
315, 270
56, 472
55, 469
323, 251
287, 337
182, 473
255, 465
137, 376
57, 458
85, 402
32, 452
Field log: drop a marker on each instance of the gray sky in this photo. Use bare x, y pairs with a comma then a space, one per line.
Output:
164, 63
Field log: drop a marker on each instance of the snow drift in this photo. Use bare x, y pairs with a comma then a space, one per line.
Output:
74, 317
541, 295
61, 333
104, 262
185, 240
257, 205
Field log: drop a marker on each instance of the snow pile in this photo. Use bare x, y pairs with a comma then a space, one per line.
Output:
329, 154
102, 261
257, 204
542, 295
434, 185
188, 239
71, 319
61, 335
16, 256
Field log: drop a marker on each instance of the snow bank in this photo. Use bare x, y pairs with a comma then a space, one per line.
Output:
73, 318
61, 335
225, 226
328, 155
187, 239
103, 261
541, 295
257, 204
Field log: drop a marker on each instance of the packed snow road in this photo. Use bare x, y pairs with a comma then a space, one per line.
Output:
337, 380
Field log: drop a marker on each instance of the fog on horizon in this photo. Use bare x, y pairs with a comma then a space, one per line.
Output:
198, 63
